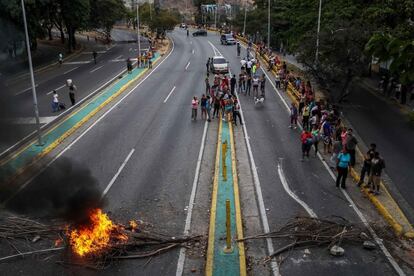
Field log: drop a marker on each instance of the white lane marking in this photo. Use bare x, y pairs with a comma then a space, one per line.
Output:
191, 42
117, 173
96, 69
215, 50
70, 70
118, 57
186, 67
25, 90
192, 52
56, 89
291, 193
265, 223
384, 250
87, 130
172, 90
181, 258
77, 62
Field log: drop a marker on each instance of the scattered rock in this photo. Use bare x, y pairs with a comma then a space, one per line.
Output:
369, 245
337, 251
364, 236
36, 238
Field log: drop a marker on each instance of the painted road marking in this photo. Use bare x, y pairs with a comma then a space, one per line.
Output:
118, 57
193, 52
387, 254
291, 193
117, 173
186, 67
96, 69
25, 90
86, 131
77, 62
181, 258
70, 70
56, 89
172, 90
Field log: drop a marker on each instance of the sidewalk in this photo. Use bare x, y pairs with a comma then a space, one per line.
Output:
377, 121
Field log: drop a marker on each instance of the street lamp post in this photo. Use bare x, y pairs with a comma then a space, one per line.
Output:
245, 15
138, 37
215, 16
268, 25
317, 33
29, 56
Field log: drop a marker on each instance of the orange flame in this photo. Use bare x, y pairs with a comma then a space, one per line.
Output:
94, 237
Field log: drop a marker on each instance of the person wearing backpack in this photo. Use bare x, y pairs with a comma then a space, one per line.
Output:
307, 140
377, 165
344, 161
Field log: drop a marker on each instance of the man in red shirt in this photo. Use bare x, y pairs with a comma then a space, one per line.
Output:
306, 139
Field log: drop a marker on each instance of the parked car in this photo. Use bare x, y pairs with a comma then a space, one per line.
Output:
219, 65
200, 33
227, 39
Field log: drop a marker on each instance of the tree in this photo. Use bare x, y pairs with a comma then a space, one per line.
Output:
104, 14
164, 21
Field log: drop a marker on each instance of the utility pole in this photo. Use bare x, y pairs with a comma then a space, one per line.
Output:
245, 15
268, 25
138, 37
317, 34
29, 56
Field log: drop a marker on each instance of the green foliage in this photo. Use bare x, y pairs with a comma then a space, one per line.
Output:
164, 21
104, 14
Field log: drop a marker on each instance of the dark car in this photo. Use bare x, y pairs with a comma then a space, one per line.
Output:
200, 33
227, 39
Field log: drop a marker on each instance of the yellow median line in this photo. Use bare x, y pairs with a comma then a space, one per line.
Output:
239, 225
74, 128
211, 232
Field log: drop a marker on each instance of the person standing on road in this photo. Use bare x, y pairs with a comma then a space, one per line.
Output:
216, 105
129, 65
207, 81
377, 165
305, 117
344, 159
255, 86
238, 48
233, 82
236, 112
306, 139
208, 64
194, 107
293, 116
72, 89
249, 67
55, 102
316, 138
208, 108
94, 55
203, 107
241, 79
336, 149
248, 85
60, 57
277, 80
350, 145
262, 84
366, 166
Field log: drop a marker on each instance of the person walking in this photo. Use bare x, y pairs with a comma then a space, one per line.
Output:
344, 161
293, 116
60, 57
233, 82
216, 106
55, 102
316, 137
207, 81
336, 150
366, 166
208, 108
129, 65
208, 64
306, 139
236, 112
350, 145
194, 107
241, 79
203, 107
262, 84
94, 55
277, 80
377, 165
327, 132
72, 89
248, 85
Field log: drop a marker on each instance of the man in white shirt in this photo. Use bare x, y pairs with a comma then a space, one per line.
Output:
55, 102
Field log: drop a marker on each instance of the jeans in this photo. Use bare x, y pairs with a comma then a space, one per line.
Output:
365, 170
342, 174
248, 87
352, 153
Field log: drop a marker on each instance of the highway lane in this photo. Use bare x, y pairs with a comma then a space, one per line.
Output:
162, 144
274, 143
85, 74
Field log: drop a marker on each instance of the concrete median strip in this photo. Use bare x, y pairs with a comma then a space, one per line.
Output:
22, 159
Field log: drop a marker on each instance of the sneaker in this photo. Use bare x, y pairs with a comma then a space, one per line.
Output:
294, 127
289, 126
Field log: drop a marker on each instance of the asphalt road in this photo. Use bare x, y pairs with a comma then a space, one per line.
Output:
274, 143
163, 144
86, 75
155, 184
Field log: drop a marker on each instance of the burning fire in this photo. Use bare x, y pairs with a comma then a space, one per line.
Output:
96, 236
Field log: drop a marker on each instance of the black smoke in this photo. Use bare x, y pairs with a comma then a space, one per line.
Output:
65, 190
